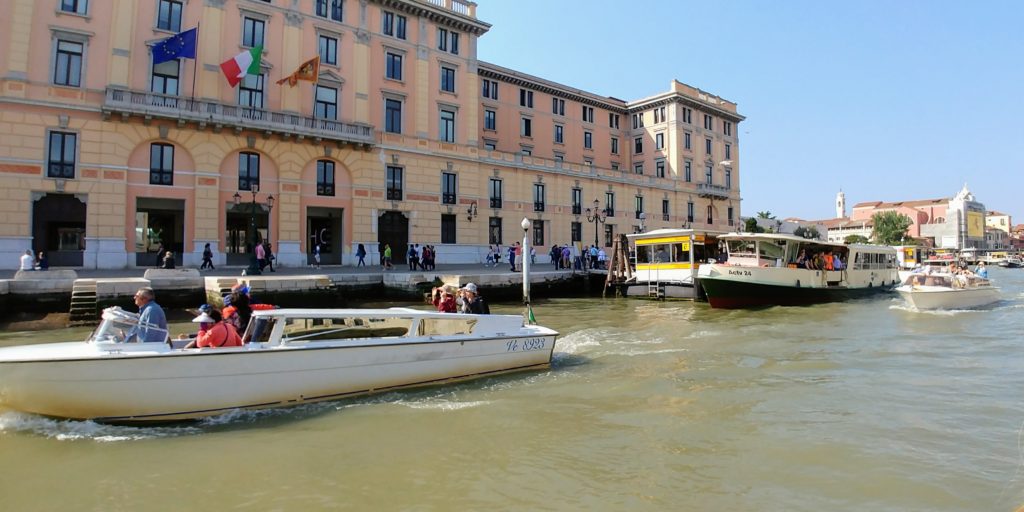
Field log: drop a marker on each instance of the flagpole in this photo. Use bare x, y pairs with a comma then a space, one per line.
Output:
195, 66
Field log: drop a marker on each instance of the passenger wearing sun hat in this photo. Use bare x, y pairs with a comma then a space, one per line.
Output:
216, 334
472, 302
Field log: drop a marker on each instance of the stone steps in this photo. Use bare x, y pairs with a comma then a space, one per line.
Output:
83, 303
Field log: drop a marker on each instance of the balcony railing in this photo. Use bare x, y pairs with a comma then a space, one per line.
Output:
203, 111
460, 6
448, 198
712, 191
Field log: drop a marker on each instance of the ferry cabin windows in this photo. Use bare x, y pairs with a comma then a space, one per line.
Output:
393, 25
577, 201
304, 330
248, 171
448, 180
393, 183
490, 121
168, 15
495, 193
494, 230
252, 32
447, 79
448, 228
330, 9
609, 204
161, 164
329, 50
525, 98
62, 151
538, 197
490, 89
326, 103
165, 78
663, 253
324, 178
392, 116
576, 232
67, 68
446, 131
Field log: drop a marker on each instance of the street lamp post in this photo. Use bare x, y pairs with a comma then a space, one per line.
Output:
597, 216
253, 233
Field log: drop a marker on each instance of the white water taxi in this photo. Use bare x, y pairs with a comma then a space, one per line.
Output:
667, 261
766, 269
293, 356
926, 291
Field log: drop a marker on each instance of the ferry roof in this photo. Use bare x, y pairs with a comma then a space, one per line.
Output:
797, 239
666, 232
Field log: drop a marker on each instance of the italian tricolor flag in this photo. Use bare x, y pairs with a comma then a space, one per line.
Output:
245, 63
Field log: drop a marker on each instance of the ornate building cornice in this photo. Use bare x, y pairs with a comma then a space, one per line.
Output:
438, 14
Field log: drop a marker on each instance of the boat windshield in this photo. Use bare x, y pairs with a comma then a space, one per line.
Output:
119, 325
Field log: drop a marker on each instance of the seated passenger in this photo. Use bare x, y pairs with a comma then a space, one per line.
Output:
801, 260
827, 262
837, 263
444, 299
216, 333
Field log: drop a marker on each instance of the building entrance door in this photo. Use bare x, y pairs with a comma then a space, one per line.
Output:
58, 229
393, 229
323, 226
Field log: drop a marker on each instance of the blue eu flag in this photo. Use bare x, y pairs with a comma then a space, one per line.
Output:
182, 45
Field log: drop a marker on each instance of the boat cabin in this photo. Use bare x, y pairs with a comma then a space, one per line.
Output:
778, 250
673, 249
909, 256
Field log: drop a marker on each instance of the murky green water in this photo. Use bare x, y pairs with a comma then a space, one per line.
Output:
649, 406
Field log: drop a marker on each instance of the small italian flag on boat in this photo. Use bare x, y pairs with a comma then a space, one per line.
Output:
245, 63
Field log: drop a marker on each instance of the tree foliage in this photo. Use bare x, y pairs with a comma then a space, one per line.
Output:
750, 226
856, 239
810, 232
890, 227
765, 215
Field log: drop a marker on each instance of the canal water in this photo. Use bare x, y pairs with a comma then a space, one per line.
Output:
864, 405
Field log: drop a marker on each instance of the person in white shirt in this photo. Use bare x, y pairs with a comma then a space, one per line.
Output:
27, 261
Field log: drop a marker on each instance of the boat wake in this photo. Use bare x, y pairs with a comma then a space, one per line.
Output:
998, 306
74, 430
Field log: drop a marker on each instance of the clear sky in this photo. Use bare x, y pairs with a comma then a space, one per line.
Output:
890, 101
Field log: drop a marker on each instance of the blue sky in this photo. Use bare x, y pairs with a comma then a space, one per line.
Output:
885, 100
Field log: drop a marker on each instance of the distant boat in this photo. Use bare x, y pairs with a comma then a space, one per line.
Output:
1011, 262
295, 356
764, 269
947, 291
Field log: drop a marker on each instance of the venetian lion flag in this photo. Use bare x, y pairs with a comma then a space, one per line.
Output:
245, 63
308, 71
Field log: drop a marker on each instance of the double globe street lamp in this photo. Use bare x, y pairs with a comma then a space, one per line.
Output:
597, 216
253, 235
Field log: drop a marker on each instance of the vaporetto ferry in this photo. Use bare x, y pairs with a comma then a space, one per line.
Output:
667, 260
764, 269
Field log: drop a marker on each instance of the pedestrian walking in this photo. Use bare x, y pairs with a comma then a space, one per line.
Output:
361, 254
207, 258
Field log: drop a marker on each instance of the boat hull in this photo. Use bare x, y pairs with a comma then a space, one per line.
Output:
670, 290
733, 294
179, 385
931, 298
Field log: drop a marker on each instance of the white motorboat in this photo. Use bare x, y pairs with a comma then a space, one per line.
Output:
926, 291
292, 356
1011, 262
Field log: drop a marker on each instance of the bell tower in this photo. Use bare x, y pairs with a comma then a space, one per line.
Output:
840, 205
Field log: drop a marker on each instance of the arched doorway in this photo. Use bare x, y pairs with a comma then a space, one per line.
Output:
58, 228
393, 229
